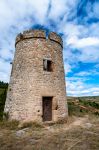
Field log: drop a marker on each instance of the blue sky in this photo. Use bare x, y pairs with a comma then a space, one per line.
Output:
78, 23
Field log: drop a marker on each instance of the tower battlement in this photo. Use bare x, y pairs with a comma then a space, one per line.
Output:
39, 34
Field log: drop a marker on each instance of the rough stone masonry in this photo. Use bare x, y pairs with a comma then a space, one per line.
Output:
36, 90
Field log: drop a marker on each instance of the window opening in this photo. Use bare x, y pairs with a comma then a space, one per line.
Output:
47, 65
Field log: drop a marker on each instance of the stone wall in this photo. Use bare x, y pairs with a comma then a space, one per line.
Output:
29, 82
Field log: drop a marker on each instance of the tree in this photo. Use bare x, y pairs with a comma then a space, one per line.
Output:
3, 87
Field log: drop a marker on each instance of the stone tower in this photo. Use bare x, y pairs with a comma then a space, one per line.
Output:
37, 84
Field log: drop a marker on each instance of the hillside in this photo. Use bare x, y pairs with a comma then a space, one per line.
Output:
86, 98
83, 105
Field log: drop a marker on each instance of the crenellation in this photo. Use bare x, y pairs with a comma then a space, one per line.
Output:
56, 38
34, 34
39, 34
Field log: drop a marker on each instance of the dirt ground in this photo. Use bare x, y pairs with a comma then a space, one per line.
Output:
79, 133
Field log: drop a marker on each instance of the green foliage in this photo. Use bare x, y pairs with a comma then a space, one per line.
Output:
96, 113
75, 110
3, 85
90, 103
2, 102
3, 92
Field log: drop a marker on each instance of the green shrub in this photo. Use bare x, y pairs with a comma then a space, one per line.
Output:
2, 103
96, 113
75, 110
3, 85
89, 103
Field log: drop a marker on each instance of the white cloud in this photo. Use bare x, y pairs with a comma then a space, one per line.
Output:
77, 87
89, 54
82, 73
96, 9
4, 76
6, 54
87, 73
61, 8
5, 69
18, 10
80, 36
58, 8
84, 42
83, 39
4, 66
67, 68
93, 30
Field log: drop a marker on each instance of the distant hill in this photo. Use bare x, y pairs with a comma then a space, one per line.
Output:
79, 106
87, 98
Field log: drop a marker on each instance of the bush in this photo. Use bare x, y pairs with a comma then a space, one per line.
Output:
3, 85
2, 103
89, 103
75, 110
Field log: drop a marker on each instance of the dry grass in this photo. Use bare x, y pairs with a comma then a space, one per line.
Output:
79, 132
10, 125
33, 125
73, 135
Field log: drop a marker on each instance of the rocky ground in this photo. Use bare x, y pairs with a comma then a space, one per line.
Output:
79, 133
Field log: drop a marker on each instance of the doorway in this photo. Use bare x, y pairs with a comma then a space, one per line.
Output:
47, 108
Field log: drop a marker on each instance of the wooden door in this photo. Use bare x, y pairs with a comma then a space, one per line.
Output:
47, 108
